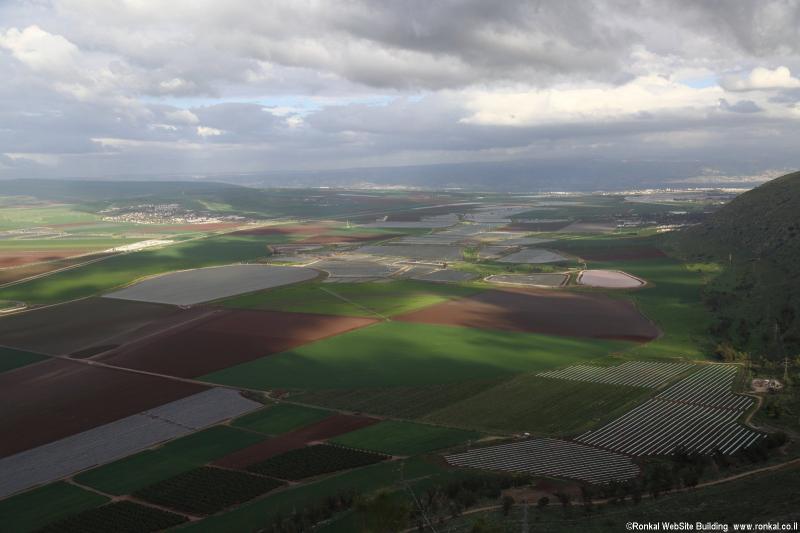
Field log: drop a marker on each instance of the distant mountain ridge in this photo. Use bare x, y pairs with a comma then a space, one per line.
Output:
763, 223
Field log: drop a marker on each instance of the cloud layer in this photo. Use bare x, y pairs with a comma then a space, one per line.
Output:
97, 88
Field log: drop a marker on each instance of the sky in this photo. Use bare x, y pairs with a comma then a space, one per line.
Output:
105, 88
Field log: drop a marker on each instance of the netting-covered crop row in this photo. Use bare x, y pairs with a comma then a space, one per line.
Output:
633, 373
551, 457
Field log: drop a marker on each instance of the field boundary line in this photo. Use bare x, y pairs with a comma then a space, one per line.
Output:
59, 270
208, 314
351, 302
71, 481
114, 498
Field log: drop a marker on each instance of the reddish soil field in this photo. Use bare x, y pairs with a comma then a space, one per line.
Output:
209, 226
324, 429
226, 338
617, 253
288, 229
53, 399
17, 258
66, 328
8, 275
542, 311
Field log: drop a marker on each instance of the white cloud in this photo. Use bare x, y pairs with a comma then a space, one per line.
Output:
641, 96
294, 121
306, 83
761, 78
50, 160
163, 127
182, 116
39, 50
205, 131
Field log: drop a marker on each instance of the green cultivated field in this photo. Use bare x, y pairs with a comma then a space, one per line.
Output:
400, 402
402, 354
31, 217
206, 490
143, 469
11, 358
121, 517
541, 406
673, 299
280, 419
313, 461
254, 515
34, 509
404, 438
123, 269
441, 386
383, 298
674, 303
67, 243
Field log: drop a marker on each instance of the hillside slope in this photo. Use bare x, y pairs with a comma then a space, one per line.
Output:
760, 224
756, 238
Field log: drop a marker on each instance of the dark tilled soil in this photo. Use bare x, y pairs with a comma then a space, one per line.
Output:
67, 328
227, 338
542, 311
54, 399
287, 229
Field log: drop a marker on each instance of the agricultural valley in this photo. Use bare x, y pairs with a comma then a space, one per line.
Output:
194, 356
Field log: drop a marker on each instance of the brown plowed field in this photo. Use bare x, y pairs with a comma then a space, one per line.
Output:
208, 226
54, 399
18, 258
288, 229
63, 329
327, 428
8, 275
227, 338
542, 311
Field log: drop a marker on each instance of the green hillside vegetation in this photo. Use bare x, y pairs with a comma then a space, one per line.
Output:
759, 499
756, 296
223, 198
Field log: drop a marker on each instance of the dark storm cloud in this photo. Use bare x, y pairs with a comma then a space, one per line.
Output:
96, 87
742, 106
